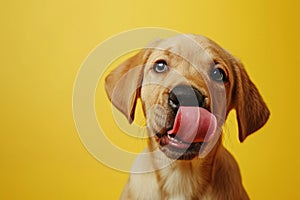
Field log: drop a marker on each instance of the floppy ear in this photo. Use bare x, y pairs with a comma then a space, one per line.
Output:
123, 85
252, 112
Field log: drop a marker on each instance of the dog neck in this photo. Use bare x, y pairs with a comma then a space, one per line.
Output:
185, 177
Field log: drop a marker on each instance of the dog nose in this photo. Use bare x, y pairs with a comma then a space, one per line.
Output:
184, 95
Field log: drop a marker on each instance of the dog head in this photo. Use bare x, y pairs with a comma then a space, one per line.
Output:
187, 85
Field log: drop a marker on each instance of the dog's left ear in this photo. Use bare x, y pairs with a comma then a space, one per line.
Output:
252, 112
123, 84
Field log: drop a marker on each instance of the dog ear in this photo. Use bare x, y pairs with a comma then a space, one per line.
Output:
122, 85
252, 112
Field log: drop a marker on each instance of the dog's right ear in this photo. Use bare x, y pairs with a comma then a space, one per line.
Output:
123, 84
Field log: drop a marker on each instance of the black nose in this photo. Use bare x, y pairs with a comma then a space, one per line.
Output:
184, 95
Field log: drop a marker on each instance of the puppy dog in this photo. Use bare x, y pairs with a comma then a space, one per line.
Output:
187, 85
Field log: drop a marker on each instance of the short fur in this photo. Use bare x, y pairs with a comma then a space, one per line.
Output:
215, 175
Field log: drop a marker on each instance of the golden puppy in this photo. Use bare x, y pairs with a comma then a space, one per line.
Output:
187, 84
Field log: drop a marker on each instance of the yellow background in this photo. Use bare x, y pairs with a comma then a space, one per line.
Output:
43, 44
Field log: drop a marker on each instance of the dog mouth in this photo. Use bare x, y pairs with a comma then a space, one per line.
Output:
193, 128
177, 149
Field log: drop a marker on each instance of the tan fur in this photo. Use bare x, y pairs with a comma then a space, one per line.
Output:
216, 174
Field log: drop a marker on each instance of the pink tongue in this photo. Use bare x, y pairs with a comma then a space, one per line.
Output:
194, 124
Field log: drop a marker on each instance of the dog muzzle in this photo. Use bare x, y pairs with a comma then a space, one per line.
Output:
194, 124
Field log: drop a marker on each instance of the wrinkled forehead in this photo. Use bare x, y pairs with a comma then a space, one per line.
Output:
194, 49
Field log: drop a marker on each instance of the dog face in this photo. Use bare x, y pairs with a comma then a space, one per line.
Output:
187, 84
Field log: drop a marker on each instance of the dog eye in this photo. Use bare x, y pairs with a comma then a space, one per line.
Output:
218, 75
160, 66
